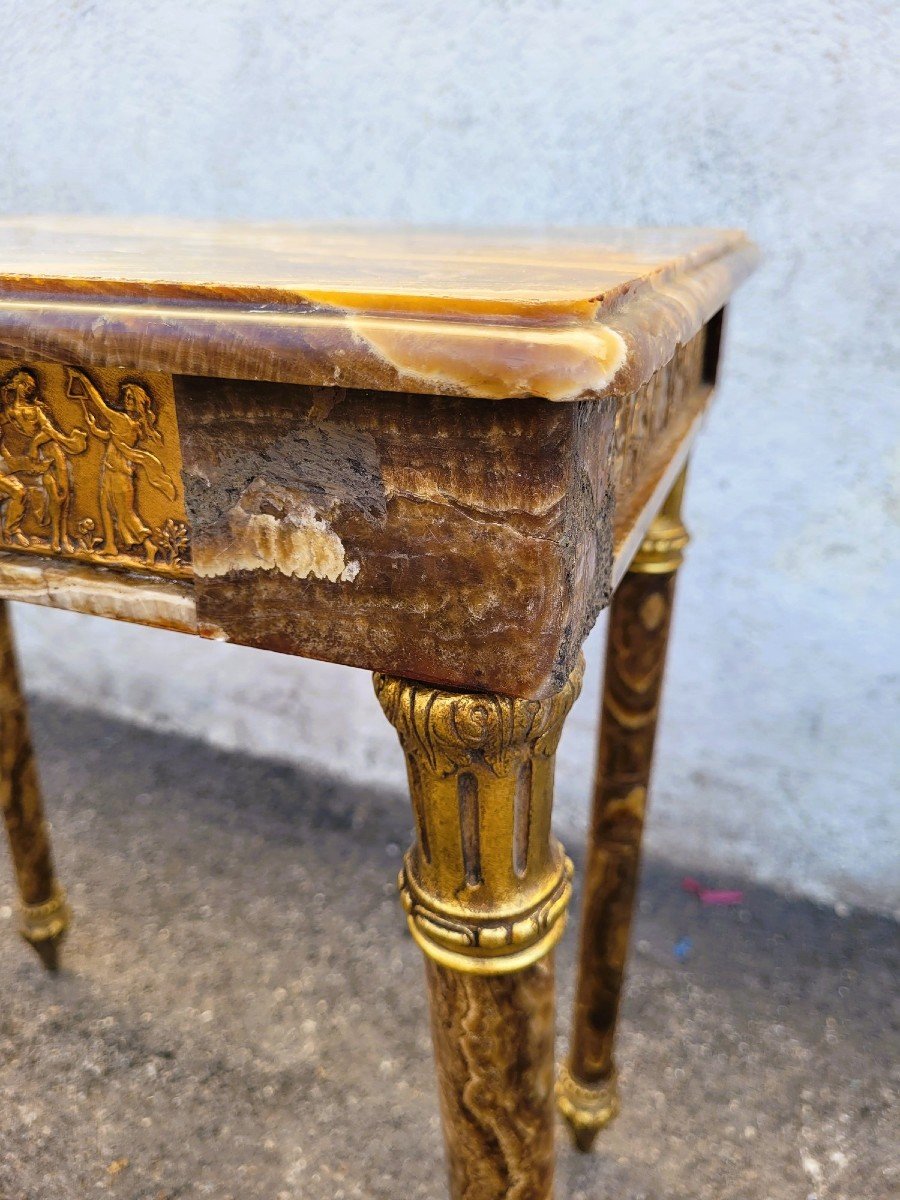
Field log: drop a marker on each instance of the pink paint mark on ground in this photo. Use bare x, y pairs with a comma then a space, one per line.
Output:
722, 897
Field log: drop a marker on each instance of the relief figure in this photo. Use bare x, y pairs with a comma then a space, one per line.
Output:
34, 462
126, 428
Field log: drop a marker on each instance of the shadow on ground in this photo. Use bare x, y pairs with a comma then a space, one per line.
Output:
241, 1017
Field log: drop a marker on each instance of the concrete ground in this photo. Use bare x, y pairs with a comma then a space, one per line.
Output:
241, 1016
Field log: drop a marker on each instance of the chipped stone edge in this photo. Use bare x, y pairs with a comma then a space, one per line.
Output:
301, 546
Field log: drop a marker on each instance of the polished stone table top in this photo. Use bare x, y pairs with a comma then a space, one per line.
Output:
562, 314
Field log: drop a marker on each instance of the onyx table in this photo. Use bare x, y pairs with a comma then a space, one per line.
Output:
434, 455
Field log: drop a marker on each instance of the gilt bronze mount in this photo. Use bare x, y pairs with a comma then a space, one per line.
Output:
486, 886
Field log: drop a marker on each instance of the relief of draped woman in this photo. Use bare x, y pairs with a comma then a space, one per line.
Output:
125, 430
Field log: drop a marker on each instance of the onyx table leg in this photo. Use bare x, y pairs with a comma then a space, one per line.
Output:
44, 912
638, 631
486, 888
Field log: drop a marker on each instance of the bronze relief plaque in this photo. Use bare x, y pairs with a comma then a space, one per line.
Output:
90, 467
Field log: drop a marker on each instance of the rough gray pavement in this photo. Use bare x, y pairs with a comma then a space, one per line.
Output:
241, 1016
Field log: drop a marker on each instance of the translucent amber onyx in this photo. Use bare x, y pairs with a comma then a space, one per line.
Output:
560, 314
430, 453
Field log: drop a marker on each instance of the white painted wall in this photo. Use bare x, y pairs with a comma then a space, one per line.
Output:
779, 753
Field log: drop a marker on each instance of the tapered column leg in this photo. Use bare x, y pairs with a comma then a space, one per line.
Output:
486, 888
638, 631
44, 915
